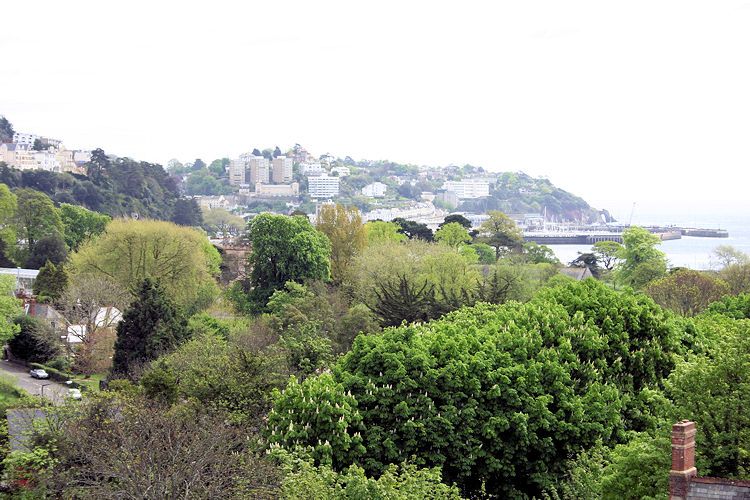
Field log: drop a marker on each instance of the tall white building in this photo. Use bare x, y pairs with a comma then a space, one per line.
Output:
469, 188
375, 190
323, 186
282, 170
259, 170
237, 172
248, 169
47, 160
311, 169
21, 138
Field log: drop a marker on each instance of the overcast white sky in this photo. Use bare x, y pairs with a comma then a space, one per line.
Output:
616, 102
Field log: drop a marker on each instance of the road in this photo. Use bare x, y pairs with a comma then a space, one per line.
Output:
54, 391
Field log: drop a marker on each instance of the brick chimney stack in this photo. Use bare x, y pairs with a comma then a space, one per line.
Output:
683, 459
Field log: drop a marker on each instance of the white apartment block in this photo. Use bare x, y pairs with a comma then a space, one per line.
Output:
259, 170
312, 169
282, 170
276, 189
341, 171
469, 188
21, 138
248, 169
323, 186
47, 160
237, 172
375, 190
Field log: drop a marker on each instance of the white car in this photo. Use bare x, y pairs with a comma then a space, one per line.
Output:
38, 373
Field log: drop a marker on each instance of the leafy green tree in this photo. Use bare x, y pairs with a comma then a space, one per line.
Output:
737, 275
336, 438
727, 255
201, 182
80, 224
539, 254
219, 221
49, 248
225, 376
10, 308
284, 249
8, 206
687, 292
152, 326
180, 258
276, 152
607, 253
218, 167
485, 252
737, 307
36, 217
641, 262
638, 470
306, 350
6, 130
458, 218
187, 212
51, 282
35, 342
453, 234
712, 390
344, 228
472, 393
501, 233
414, 229
198, 164
378, 231
407, 481
642, 340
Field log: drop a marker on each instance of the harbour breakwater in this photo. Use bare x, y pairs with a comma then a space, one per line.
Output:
588, 235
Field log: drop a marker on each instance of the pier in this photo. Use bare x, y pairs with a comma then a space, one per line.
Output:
588, 235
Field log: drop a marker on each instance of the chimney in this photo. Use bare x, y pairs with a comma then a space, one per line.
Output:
683, 459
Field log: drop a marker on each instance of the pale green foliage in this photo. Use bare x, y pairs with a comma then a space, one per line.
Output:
607, 253
344, 228
448, 270
10, 307
8, 204
180, 258
452, 234
379, 231
406, 482
639, 470
641, 262
218, 220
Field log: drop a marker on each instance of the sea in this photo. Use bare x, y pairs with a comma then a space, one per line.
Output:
691, 252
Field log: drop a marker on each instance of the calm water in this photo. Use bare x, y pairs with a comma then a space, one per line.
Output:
686, 252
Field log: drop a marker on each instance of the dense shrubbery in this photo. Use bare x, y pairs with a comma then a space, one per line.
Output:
477, 390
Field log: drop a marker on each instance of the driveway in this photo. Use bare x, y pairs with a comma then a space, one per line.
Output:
54, 391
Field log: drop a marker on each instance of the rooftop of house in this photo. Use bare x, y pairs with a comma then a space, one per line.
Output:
684, 482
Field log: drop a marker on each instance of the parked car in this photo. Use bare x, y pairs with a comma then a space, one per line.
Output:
38, 373
74, 393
